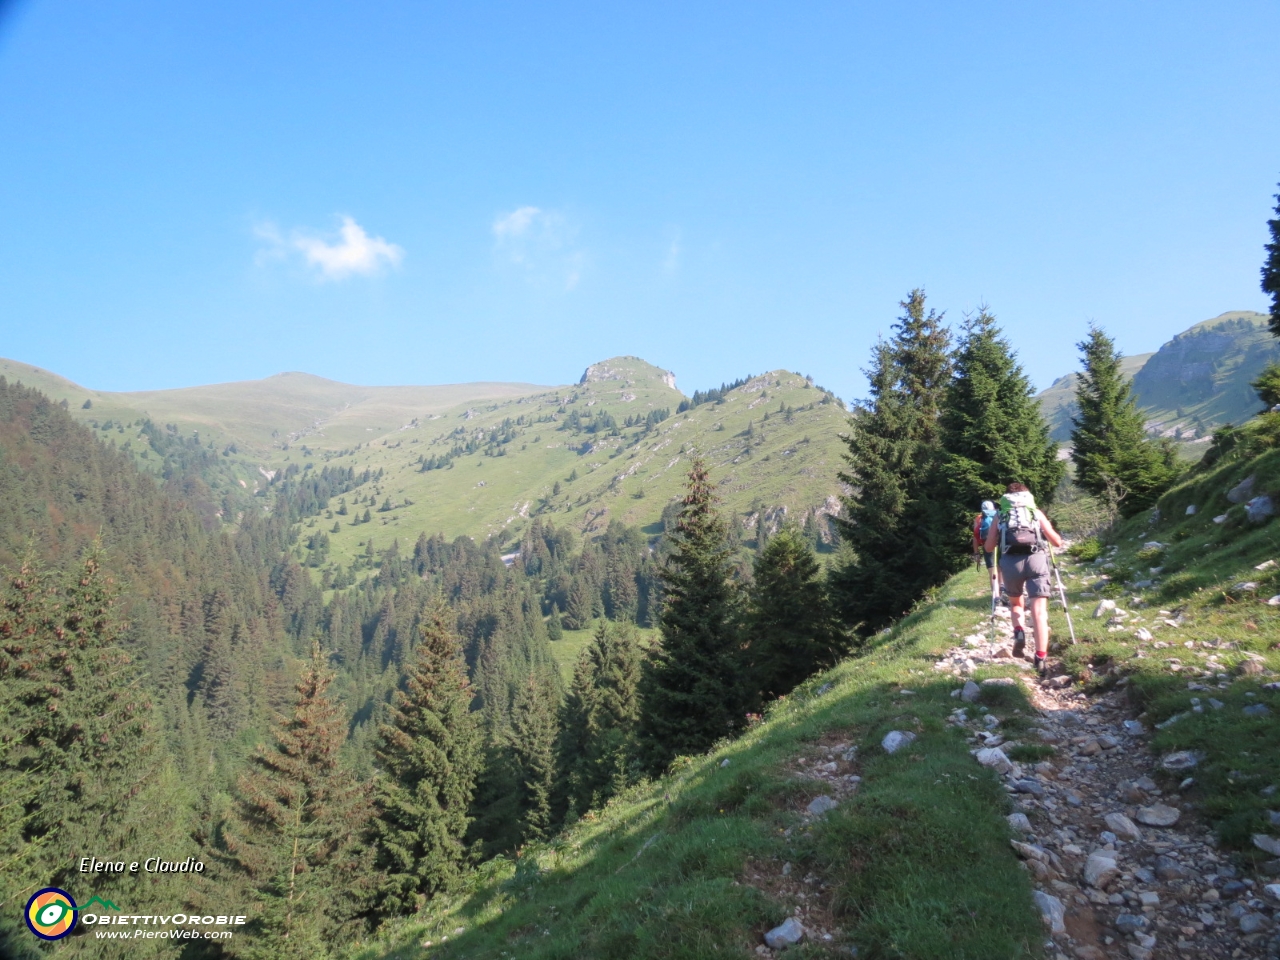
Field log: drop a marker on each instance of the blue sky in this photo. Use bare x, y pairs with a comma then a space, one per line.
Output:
429, 192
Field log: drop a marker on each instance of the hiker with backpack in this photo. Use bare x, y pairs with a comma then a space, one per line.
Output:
1023, 535
982, 524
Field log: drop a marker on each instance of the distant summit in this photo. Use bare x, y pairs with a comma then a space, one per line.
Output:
629, 370
1194, 383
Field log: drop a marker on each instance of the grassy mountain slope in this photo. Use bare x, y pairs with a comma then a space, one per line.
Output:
567, 454
1197, 381
504, 446
262, 416
916, 863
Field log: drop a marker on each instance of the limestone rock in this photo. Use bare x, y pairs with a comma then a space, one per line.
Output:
785, 934
970, 692
1131, 923
820, 805
1267, 844
994, 758
1122, 827
1158, 815
1099, 870
1029, 851
1169, 869
1052, 911
1180, 760
895, 740
1104, 608
1020, 823
1242, 491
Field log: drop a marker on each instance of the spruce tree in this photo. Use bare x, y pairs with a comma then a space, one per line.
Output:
893, 452
81, 765
299, 832
430, 756
792, 632
992, 434
1271, 270
1113, 456
532, 746
596, 749
555, 627
692, 690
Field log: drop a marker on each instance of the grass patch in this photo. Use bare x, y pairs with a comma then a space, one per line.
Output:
916, 864
1030, 752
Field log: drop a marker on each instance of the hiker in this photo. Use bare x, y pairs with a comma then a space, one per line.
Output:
1021, 536
982, 523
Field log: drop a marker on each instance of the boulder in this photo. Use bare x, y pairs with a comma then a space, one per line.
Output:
1242, 491
786, 934
1191, 510
820, 805
1052, 911
994, 758
1158, 815
1267, 844
1104, 608
1257, 710
1100, 869
1029, 851
895, 740
1122, 826
1179, 760
1020, 823
970, 692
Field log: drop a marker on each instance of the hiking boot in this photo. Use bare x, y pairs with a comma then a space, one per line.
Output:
1019, 643
1042, 667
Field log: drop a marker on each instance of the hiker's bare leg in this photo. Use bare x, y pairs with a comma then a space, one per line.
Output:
1040, 618
1015, 612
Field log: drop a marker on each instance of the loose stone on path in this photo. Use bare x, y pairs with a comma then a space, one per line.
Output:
1100, 826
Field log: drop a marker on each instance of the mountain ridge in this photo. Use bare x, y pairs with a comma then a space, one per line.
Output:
1198, 380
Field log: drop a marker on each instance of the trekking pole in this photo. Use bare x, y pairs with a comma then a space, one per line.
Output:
1062, 593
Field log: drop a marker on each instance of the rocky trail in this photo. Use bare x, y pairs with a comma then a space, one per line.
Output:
1122, 868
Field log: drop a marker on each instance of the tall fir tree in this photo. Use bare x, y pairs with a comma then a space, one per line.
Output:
596, 751
1113, 456
429, 753
792, 631
532, 745
1271, 270
692, 689
299, 834
992, 434
893, 451
82, 768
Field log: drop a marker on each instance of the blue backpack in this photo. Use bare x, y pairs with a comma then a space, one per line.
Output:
989, 514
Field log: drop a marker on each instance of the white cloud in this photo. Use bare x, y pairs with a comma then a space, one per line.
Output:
515, 223
352, 252
542, 243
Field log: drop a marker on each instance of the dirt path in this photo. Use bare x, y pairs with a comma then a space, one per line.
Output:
1129, 871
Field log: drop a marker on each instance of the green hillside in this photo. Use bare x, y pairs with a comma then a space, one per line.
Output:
589, 453
497, 454
264, 417
1197, 381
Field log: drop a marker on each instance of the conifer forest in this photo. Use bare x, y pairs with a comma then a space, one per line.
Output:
177, 677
